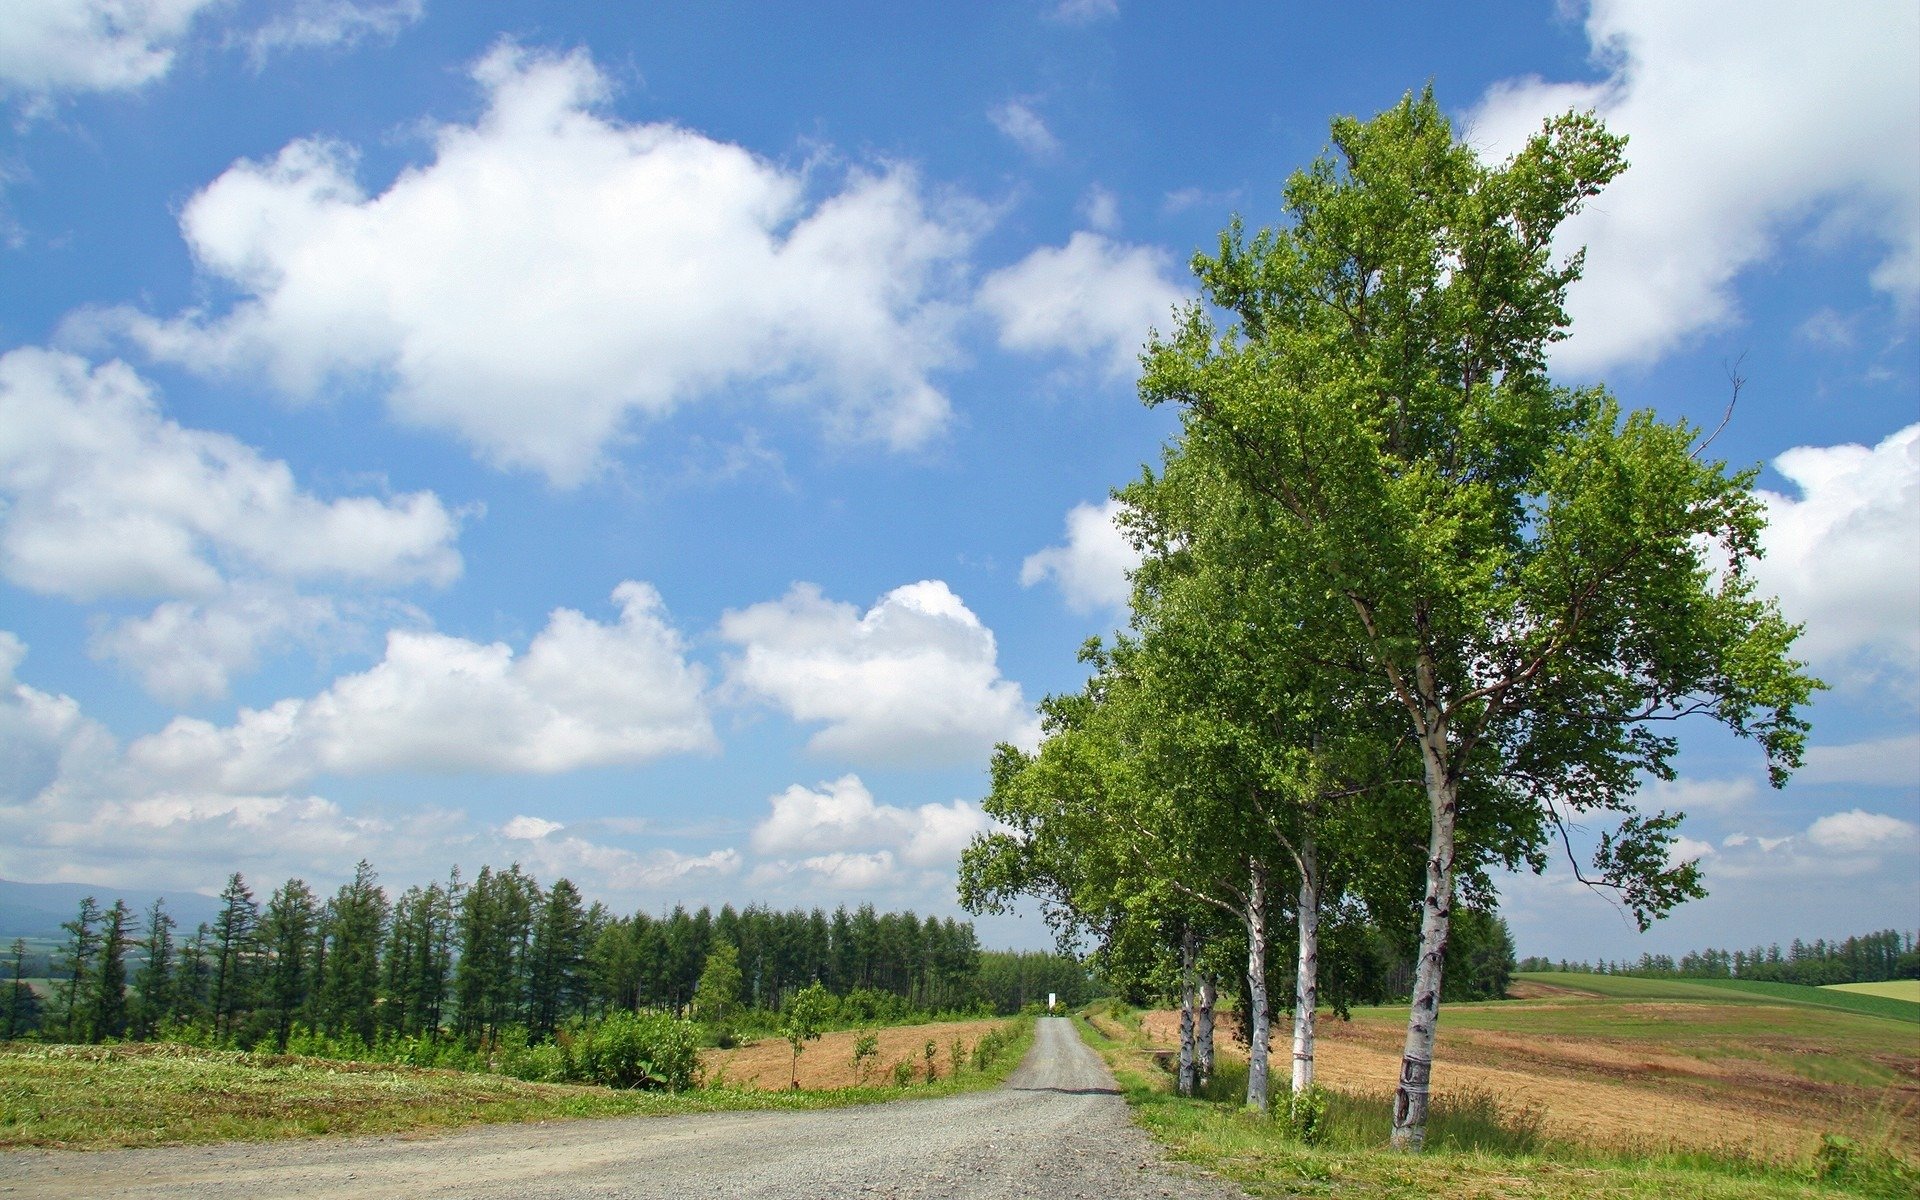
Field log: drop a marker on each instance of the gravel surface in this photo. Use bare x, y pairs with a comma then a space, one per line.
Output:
1058, 1129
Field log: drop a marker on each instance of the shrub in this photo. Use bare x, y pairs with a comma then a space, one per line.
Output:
635, 1050
903, 1072
1307, 1115
866, 1046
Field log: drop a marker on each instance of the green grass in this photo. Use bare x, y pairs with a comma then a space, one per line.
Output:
1477, 1147
91, 1097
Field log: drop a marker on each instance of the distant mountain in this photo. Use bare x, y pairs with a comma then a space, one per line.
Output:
35, 910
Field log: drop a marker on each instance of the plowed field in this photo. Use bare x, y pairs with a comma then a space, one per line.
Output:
828, 1063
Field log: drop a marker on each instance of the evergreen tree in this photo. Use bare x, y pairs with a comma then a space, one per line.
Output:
21, 1013
350, 978
286, 937
108, 1018
233, 932
83, 943
556, 965
153, 985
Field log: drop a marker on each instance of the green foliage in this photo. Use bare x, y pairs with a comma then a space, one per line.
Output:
1306, 1115
1874, 1170
903, 1073
865, 1048
804, 1020
635, 1050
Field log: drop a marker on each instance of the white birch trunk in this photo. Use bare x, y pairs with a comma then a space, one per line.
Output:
1416, 1063
1306, 991
1203, 1031
1259, 1035
1184, 1081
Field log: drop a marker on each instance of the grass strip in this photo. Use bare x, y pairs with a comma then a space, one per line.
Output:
1631, 987
96, 1097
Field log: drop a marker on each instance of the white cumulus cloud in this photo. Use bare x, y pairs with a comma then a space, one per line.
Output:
103, 496
1841, 556
1858, 831
1748, 120
55, 46
629, 270
75, 806
1091, 568
1093, 298
913, 680
583, 694
842, 815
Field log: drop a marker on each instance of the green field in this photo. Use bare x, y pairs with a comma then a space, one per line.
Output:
1732, 991
1892, 989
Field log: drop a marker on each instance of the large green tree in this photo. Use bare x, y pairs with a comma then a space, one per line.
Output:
1532, 580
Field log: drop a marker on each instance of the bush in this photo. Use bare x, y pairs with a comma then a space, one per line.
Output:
903, 1072
634, 1050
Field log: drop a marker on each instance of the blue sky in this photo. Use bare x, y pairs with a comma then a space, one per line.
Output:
670, 449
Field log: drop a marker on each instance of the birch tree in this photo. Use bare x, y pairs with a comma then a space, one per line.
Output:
1533, 581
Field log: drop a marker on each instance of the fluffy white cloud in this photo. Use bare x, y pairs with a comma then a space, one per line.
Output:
1686, 849
842, 815
185, 649
51, 46
1024, 127
1091, 568
1093, 297
101, 495
324, 23
630, 269
583, 694
105, 496
1747, 120
913, 680
1858, 831
74, 806
1841, 556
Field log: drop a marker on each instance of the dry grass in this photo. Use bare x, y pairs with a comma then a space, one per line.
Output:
1666, 1082
828, 1063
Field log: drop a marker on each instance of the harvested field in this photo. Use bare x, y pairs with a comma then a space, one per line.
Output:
828, 1063
1765, 1080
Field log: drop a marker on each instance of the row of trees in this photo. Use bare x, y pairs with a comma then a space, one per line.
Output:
1405, 607
1867, 958
469, 959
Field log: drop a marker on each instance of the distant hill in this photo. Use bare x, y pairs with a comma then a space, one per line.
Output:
35, 910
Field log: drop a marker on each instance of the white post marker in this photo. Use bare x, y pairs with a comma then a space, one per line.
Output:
1050, 996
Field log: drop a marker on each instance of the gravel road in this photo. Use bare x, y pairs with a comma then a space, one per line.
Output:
1058, 1129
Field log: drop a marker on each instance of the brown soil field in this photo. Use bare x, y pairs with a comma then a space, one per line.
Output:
1599, 1091
828, 1063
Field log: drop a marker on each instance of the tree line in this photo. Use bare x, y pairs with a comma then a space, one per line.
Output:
1865, 958
471, 959
1406, 610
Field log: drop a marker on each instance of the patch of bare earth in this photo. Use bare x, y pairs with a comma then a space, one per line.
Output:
828, 1062
1597, 1091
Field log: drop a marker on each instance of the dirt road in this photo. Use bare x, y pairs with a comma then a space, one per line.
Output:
1057, 1129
